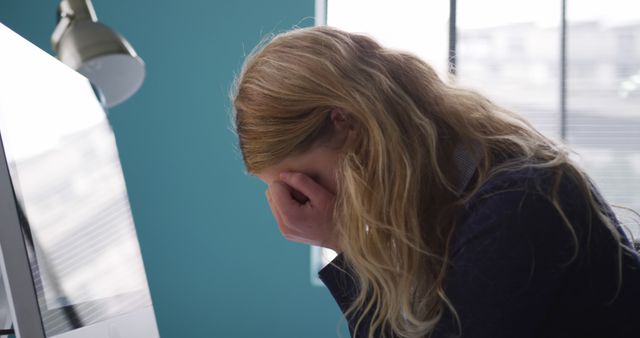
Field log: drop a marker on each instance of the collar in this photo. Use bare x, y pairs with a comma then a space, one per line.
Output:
466, 158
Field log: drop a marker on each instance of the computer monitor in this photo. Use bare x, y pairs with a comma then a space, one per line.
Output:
71, 262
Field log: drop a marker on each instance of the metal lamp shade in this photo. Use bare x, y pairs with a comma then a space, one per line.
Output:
104, 57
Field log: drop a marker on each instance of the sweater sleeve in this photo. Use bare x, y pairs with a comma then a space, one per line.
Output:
507, 266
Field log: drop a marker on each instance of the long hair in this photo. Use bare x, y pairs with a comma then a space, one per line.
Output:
396, 200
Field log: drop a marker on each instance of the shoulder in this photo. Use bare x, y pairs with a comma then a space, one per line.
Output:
518, 203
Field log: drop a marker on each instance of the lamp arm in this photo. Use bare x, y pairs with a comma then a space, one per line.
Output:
81, 9
68, 12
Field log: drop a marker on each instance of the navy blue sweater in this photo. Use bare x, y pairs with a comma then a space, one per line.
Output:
509, 275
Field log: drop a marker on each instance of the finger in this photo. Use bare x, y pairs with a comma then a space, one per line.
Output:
305, 184
290, 209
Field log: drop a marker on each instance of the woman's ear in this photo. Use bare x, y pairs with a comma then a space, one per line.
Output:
340, 119
342, 126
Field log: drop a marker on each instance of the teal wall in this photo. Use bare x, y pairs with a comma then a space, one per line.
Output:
216, 262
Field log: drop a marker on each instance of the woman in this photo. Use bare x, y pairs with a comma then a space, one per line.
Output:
451, 215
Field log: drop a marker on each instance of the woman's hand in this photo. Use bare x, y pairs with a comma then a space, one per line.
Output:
303, 209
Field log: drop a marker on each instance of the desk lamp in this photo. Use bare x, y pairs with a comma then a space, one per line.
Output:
97, 52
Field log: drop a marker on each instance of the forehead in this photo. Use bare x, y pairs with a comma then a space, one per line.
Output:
268, 175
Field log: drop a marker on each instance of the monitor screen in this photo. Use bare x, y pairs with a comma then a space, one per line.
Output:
70, 192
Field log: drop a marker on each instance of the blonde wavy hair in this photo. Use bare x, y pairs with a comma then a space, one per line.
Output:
396, 200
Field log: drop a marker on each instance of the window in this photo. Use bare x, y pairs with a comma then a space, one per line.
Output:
603, 116
420, 27
519, 67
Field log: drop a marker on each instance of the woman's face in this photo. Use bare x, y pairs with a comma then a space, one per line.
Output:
303, 200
